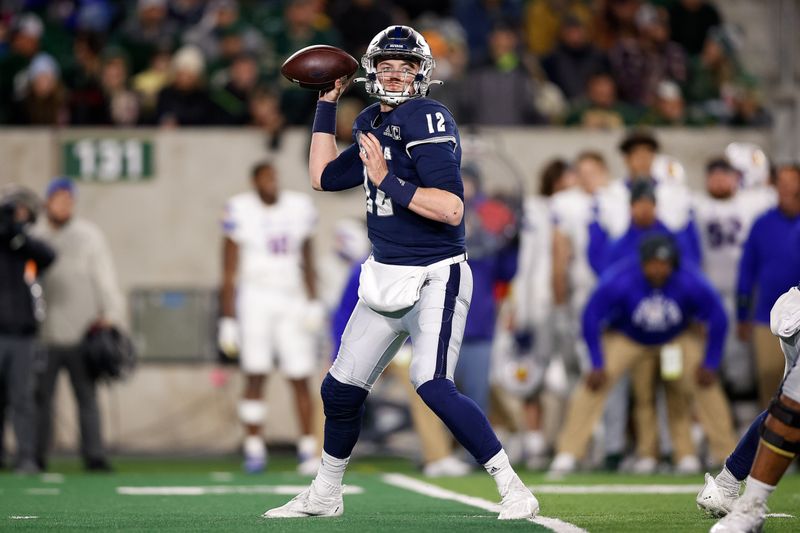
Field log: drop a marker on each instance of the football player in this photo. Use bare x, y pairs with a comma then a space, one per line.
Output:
765, 459
417, 282
723, 215
270, 312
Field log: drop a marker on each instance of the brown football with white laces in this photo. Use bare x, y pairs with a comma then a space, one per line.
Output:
318, 67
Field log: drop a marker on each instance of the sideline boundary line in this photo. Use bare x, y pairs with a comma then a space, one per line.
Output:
415, 485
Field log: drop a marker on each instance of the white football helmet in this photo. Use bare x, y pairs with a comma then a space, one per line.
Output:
398, 42
751, 161
668, 169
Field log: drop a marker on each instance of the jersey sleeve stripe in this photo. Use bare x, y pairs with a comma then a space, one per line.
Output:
444, 139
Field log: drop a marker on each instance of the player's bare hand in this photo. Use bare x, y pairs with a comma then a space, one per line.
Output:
705, 376
372, 156
334, 94
744, 330
596, 379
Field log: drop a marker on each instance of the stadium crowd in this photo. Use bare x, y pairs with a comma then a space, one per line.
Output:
588, 63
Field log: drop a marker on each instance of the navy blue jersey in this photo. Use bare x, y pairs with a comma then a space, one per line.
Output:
421, 145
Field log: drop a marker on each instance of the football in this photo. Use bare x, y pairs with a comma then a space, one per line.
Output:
318, 67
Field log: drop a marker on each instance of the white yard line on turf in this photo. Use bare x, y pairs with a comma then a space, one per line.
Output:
290, 490
23, 517
415, 485
616, 489
43, 492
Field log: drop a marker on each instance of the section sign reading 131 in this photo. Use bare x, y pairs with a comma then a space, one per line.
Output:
108, 159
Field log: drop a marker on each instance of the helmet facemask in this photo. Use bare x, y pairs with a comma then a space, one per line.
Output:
403, 43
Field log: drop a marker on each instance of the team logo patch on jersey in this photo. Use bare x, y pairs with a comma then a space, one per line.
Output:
393, 132
657, 313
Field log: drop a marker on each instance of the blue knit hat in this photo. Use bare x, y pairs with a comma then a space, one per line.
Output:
61, 183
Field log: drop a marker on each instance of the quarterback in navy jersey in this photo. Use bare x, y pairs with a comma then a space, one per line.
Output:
416, 283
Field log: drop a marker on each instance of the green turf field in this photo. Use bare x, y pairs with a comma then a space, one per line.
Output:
222, 498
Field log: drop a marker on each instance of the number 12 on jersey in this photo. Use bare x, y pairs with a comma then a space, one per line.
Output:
439, 122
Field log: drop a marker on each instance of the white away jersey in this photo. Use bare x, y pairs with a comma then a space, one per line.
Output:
572, 213
532, 287
270, 237
723, 227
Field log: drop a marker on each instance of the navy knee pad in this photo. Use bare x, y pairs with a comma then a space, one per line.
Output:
344, 406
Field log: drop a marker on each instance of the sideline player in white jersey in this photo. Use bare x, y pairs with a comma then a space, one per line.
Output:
417, 282
269, 304
572, 212
723, 215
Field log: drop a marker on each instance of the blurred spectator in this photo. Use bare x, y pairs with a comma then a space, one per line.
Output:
748, 109
22, 259
265, 113
123, 104
87, 103
222, 34
299, 29
82, 293
44, 101
615, 19
601, 109
233, 98
640, 62
478, 18
641, 307
690, 22
26, 33
768, 269
669, 108
185, 101
502, 91
574, 59
186, 13
358, 21
545, 19
150, 82
716, 75
448, 44
147, 32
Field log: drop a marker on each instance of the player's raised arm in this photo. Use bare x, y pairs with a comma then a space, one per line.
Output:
323, 147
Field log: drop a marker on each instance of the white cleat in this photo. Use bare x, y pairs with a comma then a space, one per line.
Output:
519, 503
714, 499
746, 516
563, 464
310, 503
448, 467
689, 464
309, 467
644, 466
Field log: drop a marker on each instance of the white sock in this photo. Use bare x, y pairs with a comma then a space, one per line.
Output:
254, 446
727, 480
757, 490
307, 447
500, 469
534, 443
331, 472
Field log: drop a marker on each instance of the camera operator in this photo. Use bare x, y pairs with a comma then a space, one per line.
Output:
22, 257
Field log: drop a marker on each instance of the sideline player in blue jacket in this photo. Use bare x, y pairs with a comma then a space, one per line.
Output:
417, 282
647, 305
